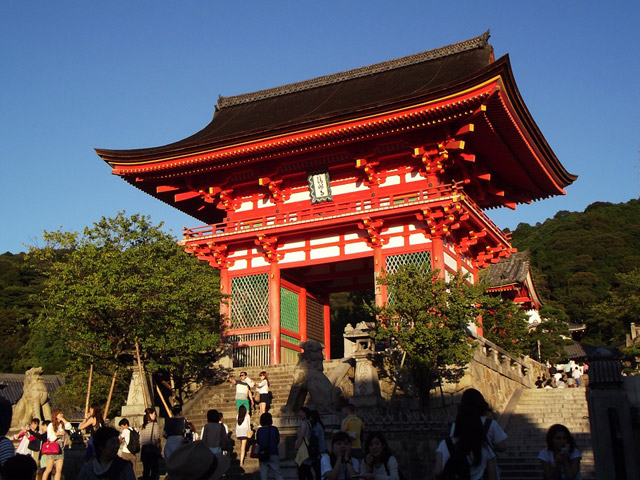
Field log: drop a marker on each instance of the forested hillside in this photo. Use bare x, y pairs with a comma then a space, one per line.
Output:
19, 281
586, 266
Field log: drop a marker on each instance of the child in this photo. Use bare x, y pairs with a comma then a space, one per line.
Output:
125, 437
33, 440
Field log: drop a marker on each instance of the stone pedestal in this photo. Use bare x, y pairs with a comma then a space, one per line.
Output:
133, 409
612, 435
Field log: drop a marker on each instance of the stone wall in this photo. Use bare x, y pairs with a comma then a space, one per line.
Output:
496, 374
414, 435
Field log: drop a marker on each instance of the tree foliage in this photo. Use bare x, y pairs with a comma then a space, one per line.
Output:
505, 324
19, 282
576, 257
121, 281
426, 318
619, 309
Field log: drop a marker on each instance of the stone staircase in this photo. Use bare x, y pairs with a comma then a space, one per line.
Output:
536, 410
222, 398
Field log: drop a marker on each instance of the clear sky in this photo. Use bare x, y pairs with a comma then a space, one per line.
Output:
76, 75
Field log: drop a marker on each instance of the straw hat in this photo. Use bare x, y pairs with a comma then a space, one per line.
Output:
194, 460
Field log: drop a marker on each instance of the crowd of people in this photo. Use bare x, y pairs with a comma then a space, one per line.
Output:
469, 451
564, 376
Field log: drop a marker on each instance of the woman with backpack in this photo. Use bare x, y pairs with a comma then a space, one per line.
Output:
213, 433
495, 435
378, 463
150, 439
467, 454
268, 438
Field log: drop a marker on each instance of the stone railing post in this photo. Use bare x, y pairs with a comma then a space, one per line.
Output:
610, 417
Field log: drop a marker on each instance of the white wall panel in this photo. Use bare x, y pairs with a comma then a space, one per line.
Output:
326, 252
418, 239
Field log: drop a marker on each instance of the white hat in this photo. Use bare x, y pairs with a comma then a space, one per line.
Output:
194, 460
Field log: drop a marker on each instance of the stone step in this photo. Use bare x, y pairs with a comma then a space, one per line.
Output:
535, 412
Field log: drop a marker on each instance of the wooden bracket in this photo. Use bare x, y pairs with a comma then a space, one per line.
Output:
269, 247
374, 231
214, 254
277, 194
370, 169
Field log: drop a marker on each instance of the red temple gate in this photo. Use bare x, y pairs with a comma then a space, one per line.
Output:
319, 186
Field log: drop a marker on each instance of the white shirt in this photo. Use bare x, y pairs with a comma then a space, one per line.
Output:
381, 472
126, 436
547, 457
263, 386
242, 429
325, 466
495, 434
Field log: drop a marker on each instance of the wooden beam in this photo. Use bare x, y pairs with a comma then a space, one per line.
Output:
179, 197
166, 188
466, 129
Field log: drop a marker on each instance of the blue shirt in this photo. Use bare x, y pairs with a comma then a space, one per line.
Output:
269, 436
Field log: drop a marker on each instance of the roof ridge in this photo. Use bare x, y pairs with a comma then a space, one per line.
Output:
470, 44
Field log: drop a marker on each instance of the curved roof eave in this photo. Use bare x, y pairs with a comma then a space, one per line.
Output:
500, 68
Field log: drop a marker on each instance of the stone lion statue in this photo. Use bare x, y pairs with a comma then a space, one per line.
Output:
34, 402
308, 377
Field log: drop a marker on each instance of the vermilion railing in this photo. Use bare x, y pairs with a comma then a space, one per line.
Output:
331, 210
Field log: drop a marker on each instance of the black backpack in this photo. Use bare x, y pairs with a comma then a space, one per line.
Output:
134, 441
457, 466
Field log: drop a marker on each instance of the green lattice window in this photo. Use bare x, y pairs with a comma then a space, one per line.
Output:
250, 301
289, 339
288, 310
416, 258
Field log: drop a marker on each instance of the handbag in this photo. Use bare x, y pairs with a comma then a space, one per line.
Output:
51, 448
255, 451
303, 453
23, 448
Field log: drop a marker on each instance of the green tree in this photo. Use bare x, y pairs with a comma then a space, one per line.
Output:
121, 281
547, 341
426, 318
505, 324
18, 283
611, 318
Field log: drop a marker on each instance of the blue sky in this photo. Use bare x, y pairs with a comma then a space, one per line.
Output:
132, 74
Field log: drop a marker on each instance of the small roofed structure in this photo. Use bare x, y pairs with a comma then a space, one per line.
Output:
12, 385
511, 278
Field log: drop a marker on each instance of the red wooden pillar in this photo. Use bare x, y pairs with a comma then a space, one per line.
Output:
378, 267
225, 289
302, 314
274, 312
437, 255
326, 310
